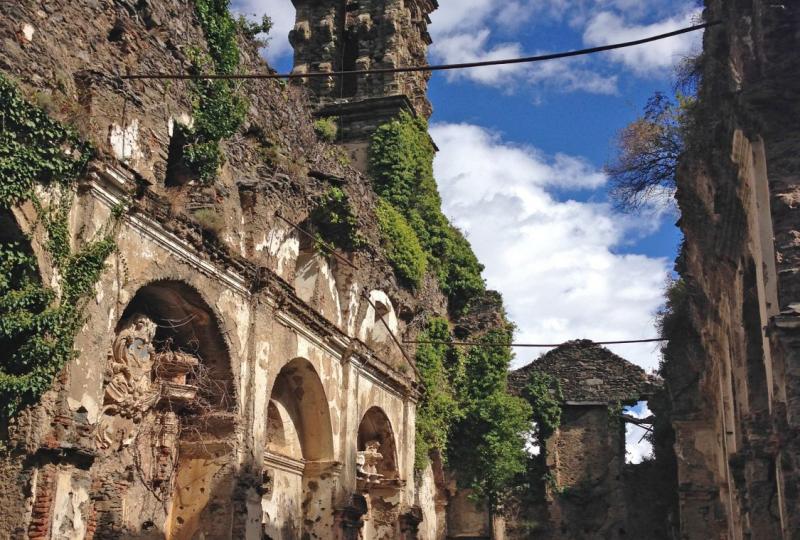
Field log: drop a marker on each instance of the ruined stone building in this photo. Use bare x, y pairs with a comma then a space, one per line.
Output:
731, 365
587, 496
231, 381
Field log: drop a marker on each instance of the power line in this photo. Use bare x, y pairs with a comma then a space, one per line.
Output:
541, 345
436, 67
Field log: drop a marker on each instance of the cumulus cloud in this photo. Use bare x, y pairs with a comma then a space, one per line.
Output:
467, 31
557, 262
281, 12
655, 58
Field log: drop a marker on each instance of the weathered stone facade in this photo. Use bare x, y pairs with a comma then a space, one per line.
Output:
732, 359
232, 381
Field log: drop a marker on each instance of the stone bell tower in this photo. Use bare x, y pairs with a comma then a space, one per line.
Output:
344, 35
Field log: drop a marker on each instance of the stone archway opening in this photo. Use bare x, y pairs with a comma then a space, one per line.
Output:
168, 413
298, 458
377, 475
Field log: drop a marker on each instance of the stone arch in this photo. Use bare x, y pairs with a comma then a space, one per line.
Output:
168, 408
185, 321
375, 426
299, 397
298, 458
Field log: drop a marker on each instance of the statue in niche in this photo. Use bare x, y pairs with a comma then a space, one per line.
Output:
130, 392
367, 462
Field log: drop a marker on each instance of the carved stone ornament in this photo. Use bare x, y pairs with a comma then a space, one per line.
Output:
367, 462
129, 393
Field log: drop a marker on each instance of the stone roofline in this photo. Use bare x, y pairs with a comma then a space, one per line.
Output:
111, 181
603, 378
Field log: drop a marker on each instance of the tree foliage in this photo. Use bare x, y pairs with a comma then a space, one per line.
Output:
494, 425
439, 407
643, 172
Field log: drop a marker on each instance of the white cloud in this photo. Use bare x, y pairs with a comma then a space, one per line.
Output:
637, 448
553, 260
468, 30
656, 58
281, 12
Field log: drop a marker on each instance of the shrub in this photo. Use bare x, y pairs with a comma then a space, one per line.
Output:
326, 129
402, 246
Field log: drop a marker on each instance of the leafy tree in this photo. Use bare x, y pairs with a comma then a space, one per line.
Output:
493, 430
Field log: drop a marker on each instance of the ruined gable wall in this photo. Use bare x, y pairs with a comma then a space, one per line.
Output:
728, 389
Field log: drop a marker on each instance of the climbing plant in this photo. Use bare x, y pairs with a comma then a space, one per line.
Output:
38, 324
218, 106
401, 163
543, 392
402, 246
439, 408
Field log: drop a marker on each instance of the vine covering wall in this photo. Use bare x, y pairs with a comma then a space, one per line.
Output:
37, 323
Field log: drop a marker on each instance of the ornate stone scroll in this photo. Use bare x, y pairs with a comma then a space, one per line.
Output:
129, 393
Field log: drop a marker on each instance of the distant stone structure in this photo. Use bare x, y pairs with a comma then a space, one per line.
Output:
585, 456
348, 35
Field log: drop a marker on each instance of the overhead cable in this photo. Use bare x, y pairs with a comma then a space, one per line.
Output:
541, 345
435, 67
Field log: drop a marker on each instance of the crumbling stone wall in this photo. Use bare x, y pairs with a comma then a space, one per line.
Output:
585, 494
731, 370
115, 451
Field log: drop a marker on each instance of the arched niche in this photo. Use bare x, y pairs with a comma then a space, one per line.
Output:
298, 458
299, 400
168, 408
186, 323
375, 435
379, 310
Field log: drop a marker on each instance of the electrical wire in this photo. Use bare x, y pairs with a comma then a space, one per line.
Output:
435, 67
542, 345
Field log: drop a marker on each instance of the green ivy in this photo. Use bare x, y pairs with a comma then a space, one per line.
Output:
544, 393
218, 107
37, 325
439, 408
494, 427
402, 246
401, 163
34, 148
335, 221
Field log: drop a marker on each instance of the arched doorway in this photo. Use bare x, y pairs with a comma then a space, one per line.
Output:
298, 458
168, 414
377, 474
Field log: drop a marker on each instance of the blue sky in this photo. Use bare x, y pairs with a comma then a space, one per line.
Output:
522, 149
